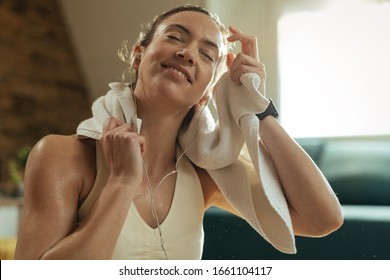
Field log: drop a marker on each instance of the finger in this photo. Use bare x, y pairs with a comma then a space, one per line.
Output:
236, 69
141, 143
229, 59
238, 35
114, 126
248, 42
244, 69
123, 153
130, 141
253, 65
243, 59
111, 123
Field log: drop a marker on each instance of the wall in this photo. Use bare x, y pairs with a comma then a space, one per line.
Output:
99, 27
42, 90
260, 18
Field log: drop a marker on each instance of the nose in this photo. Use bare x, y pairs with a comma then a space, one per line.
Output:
187, 55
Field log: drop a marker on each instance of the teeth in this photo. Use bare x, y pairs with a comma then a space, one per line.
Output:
181, 74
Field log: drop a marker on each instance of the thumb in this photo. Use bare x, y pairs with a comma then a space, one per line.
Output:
229, 59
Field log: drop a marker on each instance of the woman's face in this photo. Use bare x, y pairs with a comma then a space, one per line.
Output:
177, 67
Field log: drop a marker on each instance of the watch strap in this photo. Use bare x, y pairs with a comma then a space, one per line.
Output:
269, 111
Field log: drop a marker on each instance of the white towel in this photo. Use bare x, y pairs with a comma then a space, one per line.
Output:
220, 148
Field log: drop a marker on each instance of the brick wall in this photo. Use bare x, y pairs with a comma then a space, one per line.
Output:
41, 86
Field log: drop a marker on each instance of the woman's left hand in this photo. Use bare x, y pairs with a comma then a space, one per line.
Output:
247, 61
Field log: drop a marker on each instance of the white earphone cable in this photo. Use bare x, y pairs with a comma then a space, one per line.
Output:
152, 194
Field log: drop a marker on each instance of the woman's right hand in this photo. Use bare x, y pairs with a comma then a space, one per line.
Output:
122, 148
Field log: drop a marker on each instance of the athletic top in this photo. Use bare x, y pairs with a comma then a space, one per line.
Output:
181, 230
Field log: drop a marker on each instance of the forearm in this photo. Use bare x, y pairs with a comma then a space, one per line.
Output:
96, 236
313, 205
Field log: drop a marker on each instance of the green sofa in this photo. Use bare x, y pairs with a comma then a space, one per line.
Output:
359, 173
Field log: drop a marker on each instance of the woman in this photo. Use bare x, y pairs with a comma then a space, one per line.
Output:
177, 64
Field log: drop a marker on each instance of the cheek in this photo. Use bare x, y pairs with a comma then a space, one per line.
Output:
148, 63
150, 53
208, 77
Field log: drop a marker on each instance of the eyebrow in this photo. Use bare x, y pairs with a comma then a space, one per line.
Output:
187, 31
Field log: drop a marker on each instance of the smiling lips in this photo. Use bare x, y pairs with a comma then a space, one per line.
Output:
183, 73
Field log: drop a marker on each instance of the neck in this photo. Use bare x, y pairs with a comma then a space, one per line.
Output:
160, 130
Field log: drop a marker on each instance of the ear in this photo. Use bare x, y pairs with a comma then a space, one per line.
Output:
138, 51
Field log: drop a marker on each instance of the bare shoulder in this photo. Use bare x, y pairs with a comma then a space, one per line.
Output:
67, 146
65, 159
59, 173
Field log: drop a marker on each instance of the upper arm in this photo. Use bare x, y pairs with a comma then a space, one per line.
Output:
53, 184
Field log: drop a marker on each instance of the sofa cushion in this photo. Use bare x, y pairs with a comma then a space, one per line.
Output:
358, 171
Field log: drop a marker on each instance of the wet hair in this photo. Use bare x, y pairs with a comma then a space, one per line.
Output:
127, 53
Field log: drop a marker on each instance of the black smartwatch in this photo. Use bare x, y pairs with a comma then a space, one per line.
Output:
269, 111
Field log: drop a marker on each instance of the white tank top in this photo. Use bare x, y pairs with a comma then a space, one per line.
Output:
182, 228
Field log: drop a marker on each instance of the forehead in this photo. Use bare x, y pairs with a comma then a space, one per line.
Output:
197, 23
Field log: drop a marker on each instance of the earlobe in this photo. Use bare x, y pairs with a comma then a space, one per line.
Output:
137, 61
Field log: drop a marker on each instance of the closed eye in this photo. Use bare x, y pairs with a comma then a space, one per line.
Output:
209, 57
176, 38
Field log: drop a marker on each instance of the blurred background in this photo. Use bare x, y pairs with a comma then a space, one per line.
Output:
327, 71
